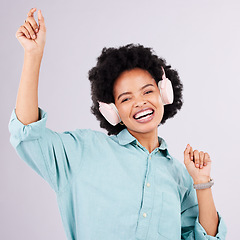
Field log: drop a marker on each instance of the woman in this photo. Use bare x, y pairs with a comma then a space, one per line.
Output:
126, 185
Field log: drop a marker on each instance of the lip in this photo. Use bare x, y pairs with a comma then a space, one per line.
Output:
145, 119
144, 109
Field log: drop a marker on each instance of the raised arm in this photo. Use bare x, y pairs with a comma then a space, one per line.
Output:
198, 165
32, 38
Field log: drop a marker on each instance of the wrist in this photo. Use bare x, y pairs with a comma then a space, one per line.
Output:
204, 185
31, 54
201, 180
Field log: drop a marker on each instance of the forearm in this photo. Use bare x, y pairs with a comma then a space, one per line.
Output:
208, 216
27, 98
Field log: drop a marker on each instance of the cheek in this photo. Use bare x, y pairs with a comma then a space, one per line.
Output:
157, 101
159, 105
123, 110
162, 110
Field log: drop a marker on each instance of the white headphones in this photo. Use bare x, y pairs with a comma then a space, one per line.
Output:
110, 112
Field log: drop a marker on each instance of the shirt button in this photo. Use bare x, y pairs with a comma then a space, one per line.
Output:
150, 157
148, 184
144, 215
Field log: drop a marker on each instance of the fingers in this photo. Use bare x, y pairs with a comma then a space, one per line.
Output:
22, 31
41, 21
196, 158
200, 159
191, 153
187, 155
29, 29
206, 159
30, 23
31, 12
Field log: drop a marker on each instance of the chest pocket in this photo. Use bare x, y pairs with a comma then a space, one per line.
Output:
170, 217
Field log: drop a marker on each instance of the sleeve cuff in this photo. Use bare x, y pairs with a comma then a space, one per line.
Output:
20, 132
200, 232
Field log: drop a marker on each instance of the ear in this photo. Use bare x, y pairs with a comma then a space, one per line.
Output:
110, 113
166, 89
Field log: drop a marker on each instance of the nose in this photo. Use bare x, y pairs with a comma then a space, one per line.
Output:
140, 102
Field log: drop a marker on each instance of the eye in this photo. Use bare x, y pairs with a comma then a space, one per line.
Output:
150, 91
125, 99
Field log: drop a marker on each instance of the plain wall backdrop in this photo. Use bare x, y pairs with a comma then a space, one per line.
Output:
198, 38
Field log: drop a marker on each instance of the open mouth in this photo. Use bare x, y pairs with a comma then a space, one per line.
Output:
143, 114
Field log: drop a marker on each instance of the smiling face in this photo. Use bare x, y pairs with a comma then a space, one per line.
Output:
137, 98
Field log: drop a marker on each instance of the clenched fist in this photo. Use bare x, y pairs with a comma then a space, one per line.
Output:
198, 165
31, 35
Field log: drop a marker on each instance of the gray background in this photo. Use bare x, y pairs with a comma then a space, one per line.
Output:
198, 38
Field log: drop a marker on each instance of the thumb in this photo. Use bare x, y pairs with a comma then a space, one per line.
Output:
41, 21
187, 155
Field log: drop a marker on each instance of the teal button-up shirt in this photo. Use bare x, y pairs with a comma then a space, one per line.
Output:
111, 187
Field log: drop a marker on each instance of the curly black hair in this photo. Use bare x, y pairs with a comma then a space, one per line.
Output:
112, 62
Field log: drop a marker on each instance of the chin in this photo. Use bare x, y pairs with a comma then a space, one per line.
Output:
144, 128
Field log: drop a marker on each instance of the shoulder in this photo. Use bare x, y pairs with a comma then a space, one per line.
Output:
85, 135
180, 170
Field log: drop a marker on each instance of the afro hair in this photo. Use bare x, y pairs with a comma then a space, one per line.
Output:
112, 62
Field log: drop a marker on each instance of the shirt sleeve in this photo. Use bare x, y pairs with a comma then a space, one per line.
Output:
191, 227
54, 156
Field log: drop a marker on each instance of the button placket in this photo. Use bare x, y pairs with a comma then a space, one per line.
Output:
149, 158
146, 208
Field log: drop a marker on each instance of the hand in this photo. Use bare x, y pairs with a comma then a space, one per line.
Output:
198, 165
31, 36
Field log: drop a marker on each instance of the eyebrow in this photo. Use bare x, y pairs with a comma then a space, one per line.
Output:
125, 93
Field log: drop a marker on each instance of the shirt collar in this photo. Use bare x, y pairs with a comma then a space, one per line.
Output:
125, 137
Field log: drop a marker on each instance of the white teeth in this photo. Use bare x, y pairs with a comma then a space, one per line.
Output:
138, 115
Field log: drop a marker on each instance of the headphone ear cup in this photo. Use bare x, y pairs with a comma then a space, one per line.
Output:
166, 91
110, 112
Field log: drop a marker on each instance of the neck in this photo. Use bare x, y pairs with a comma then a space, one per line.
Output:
148, 140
